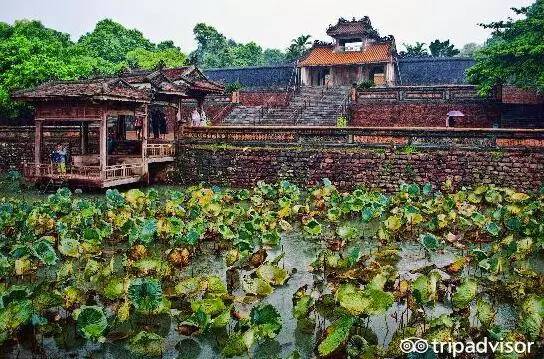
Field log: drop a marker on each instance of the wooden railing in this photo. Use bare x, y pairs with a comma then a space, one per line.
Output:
32, 170
476, 138
123, 171
160, 150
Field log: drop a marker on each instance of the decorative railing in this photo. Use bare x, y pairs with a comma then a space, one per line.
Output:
123, 171
32, 170
441, 93
160, 150
373, 137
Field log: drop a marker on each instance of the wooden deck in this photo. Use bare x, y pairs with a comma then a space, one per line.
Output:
94, 176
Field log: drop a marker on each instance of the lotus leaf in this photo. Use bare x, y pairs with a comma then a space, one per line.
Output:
146, 344
69, 247
145, 294
45, 252
211, 306
485, 312
336, 335
464, 295
532, 316
272, 274
91, 322
257, 286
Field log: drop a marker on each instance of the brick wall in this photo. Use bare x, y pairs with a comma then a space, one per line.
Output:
479, 115
515, 95
347, 168
424, 106
260, 98
377, 158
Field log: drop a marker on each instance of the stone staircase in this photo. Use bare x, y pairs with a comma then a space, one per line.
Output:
312, 106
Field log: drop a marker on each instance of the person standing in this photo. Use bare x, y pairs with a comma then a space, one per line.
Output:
195, 118
58, 158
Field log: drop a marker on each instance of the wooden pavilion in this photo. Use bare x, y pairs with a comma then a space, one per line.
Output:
110, 107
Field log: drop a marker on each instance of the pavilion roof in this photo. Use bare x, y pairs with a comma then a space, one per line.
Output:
347, 28
112, 89
325, 55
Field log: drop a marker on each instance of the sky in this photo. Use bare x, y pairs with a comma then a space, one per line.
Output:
270, 23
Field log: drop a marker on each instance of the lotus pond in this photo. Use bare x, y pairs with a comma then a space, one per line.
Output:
270, 272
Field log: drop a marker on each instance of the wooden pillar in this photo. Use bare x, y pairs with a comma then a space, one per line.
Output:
38, 142
178, 121
84, 137
103, 144
145, 132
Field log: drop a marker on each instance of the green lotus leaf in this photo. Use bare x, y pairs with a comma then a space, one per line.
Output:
429, 241
303, 306
393, 223
235, 346
215, 287
519, 197
114, 289
493, 229
272, 274
45, 252
380, 301
352, 299
135, 197
210, 306
337, 335
145, 294
265, 321
188, 286
465, 293
69, 247
532, 316
257, 286
485, 312
147, 344
16, 314
91, 322
313, 227
222, 320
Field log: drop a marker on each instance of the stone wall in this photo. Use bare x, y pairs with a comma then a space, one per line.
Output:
424, 106
377, 158
517, 96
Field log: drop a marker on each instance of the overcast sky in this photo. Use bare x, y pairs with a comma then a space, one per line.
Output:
270, 23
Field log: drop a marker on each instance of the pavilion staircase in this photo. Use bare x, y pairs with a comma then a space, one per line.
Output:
311, 106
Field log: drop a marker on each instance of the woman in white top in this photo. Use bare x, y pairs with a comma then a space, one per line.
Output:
195, 118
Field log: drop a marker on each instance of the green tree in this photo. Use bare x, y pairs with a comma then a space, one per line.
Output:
145, 59
514, 54
416, 50
31, 53
443, 49
297, 48
111, 41
273, 56
470, 49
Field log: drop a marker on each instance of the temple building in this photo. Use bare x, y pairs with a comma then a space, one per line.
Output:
358, 54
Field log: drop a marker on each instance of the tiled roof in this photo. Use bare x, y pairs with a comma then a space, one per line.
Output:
422, 71
102, 88
325, 55
254, 78
349, 28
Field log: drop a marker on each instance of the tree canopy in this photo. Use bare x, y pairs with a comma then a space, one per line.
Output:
31, 53
443, 49
215, 50
515, 52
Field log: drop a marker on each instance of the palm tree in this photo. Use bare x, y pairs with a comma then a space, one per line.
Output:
298, 46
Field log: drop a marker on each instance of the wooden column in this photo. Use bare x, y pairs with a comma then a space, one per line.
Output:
178, 121
103, 144
38, 142
145, 132
84, 136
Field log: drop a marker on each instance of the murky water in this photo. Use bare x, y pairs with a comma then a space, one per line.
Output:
299, 253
